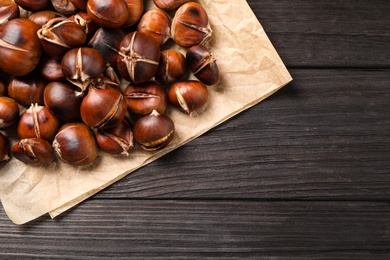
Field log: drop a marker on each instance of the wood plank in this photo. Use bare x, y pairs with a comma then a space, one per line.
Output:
325, 136
348, 33
171, 229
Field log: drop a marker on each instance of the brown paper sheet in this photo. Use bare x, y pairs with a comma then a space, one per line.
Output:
251, 71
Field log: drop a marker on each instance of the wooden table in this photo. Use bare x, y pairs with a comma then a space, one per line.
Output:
304, 174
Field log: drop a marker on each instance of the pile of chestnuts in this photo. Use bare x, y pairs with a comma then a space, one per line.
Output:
77, 76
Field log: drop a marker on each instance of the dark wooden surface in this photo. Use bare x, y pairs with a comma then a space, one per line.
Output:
304, 174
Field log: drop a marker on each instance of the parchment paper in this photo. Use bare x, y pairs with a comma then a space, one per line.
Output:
251, 71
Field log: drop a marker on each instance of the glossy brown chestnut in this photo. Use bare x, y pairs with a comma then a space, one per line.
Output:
80, 65
103, 107
80, 4
63, 101
8, 10
135, 9
42, 17
60, 35
155, 23
4, 148
138, 57
33, 5
142, 99
27, 89
33, 151
9, 112
188, 95
64, 7
75, 144
190, 25
154, 131
169, 5
50, 69
37, 122
108, 13
117, 140
3, 89
172, 66
107, 41
19, 44
203, 64
85, 22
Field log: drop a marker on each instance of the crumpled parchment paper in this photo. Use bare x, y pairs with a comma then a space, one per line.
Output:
251, 70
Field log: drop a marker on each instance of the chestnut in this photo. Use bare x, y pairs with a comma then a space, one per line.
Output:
9, 112
80, 4
4, 148
188, 95
103, 107
59, 35
135, 9
155, 23
37, 122
190, 25
27, 89
85, 22
154, 131
142, 99
20, 48
8, 10
33, 151
3, 89
75, 144
64, 7
80, 65
116, 140
63, 101
42, 17
203, 64
169, 5
172, 66
107, 41
50, 69
108, 13
138, 57
32, 5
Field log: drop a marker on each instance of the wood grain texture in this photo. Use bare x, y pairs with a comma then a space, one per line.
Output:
346, 33
197, 229
325, 136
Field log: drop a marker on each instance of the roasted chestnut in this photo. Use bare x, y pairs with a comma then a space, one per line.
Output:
33, 151
9, 112
42, 17
142, 99
33, 5
190, 25
27, 89
75, 144
37, 122
63, 100
138, 57
80, 65
188, 95
50, 69
203, 64
107, 41
8, 10
64, 7
172, 66
85, 22
155, 23
103, 107
20, 48
154, 131
169, 5
117, 140
135, 9
60, 35
4, 148
108, 13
